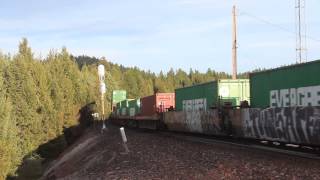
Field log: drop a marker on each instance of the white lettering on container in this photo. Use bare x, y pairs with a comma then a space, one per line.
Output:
302, 96
194, 104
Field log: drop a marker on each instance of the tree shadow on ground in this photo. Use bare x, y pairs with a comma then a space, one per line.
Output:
35, 163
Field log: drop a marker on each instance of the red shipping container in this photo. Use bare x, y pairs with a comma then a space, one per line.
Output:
159, 102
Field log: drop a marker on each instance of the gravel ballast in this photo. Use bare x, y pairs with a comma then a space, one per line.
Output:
154, 156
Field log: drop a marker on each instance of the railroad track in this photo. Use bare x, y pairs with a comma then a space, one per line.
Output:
248, 145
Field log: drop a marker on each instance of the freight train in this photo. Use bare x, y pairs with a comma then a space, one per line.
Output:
280, 105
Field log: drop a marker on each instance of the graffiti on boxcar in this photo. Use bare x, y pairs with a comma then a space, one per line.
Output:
206, 122
193, 121
289, 124
210, 122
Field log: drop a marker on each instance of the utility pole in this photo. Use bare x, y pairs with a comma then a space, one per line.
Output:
301, 40
234, 43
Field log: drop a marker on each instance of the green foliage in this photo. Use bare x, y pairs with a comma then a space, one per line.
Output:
8, 130
86, 60
38, 98
139, 83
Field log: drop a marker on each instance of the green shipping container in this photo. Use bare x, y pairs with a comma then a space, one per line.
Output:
134, 107
212, 94
234, 91
121, 104
118, 108
118, 95
295, 85
125, 103
122, 107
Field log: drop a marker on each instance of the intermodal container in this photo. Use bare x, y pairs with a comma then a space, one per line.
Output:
200, 96
289, 86
118, 95
134, 107
159, 102
123, 107
117, 108
212, 94
233, 91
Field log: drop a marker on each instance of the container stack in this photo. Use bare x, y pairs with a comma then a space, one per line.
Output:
212, 94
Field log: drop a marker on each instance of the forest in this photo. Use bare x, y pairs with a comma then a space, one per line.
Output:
39, 97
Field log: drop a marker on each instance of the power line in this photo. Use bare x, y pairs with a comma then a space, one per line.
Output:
274, 25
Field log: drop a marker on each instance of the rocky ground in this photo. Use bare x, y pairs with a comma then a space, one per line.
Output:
154, 156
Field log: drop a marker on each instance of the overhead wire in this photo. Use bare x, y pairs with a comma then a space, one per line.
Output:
274, 25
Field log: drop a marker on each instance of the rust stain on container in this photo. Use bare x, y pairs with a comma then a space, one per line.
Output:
235, 118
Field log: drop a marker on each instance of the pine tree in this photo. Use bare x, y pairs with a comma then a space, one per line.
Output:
9, 151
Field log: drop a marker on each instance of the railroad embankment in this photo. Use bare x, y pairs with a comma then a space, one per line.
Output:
149, 155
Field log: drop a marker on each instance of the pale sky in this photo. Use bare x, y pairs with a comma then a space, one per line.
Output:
159, 34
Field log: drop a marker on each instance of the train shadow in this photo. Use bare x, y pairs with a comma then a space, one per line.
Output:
34, 163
